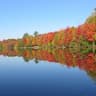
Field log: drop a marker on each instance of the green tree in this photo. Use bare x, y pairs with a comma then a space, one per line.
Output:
25, 35
36, 33
92, 18
1, 47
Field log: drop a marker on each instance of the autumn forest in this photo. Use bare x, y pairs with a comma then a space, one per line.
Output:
80, 37
76, 43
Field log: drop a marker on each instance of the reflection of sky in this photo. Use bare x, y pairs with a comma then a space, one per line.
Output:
20, 16
19, 77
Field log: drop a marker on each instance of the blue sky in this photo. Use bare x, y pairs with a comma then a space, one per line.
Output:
20, 16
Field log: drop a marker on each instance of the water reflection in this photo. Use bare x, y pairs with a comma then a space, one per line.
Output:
82, 60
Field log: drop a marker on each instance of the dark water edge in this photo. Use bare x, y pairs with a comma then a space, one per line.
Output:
19, 78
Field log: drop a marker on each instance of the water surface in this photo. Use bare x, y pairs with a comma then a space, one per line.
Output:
20, 76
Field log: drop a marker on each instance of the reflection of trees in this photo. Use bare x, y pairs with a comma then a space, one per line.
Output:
26, 59
36, 60
92, 75
82, 60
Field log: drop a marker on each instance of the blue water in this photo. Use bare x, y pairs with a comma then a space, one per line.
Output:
20, 78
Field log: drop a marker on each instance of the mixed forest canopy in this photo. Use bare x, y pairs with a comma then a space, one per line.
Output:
83, 35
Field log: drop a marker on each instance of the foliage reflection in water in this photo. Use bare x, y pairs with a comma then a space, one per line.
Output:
85, 60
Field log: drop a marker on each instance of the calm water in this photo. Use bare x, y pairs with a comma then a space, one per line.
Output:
20, 78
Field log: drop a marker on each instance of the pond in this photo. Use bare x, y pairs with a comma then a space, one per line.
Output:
47, 73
